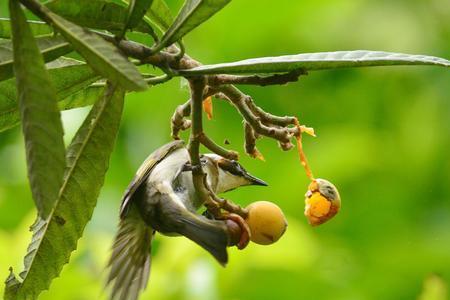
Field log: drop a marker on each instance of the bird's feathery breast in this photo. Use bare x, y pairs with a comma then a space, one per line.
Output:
164, 178
168, 178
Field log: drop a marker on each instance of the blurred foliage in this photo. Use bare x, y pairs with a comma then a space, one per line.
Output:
383, 139
434, 288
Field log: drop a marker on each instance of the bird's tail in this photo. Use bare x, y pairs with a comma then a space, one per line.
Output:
129, 265
210, 234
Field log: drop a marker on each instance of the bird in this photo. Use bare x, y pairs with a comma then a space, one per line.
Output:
162, 198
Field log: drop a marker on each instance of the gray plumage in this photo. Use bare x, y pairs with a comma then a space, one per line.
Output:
161, 197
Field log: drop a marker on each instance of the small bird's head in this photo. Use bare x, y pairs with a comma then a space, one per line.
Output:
231, 174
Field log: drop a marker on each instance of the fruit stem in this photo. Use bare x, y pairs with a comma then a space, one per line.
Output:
301, 153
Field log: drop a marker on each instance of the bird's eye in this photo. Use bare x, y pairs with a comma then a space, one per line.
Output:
234, 168
240, 167
231, 166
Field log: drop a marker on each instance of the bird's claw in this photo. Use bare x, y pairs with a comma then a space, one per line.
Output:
238, 230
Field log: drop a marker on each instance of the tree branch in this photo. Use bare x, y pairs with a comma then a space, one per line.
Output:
261, 122
250, 142
239, 99
211, 145
197, 86
256, 79
179, 121
268, 118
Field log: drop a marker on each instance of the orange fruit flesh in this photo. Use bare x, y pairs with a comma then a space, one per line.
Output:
317, 205
208, 107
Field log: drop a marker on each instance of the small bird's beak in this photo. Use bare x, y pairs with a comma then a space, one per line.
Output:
254, 180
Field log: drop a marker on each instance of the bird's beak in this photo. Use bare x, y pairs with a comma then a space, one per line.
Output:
254, 181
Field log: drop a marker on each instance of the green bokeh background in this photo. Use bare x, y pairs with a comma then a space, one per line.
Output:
383, 139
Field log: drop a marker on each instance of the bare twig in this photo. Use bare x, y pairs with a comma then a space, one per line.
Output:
268, 118
256, 79
158, 79
225, 204
239, 99
250, 142
179, 121
213, 203
211, 145
197, 86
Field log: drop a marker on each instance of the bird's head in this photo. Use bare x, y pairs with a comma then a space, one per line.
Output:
230, 174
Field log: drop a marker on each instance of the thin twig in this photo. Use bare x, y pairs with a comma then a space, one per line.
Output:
256, 79
225, 204
268, 118
211, 145
158, 79
239, 100
197, 86
179, 121
213, 203
250, 142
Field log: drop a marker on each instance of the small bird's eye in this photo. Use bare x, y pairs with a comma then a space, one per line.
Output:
237, 166
234, 167
240, 168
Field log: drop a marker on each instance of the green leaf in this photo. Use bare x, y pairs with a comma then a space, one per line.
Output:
98, 14
160, 14
82, 98
51, 47
69, 78
41, 122
38, 28
136, 11
87, 162
317, 61
101, 55
11, 285
192, 14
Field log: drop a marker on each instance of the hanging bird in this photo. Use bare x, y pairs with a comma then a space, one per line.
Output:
161, 197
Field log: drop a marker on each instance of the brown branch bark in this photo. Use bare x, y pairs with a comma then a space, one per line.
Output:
211, 145
197, 86
256, 79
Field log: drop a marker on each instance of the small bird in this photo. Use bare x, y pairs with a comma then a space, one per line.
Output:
161, 197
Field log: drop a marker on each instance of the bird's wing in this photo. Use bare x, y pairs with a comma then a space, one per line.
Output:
130, 260
144, 171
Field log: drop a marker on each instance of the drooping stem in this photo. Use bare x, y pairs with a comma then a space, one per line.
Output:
197, 86
179, 121
213, 203
239, 100
211, 145
250, 142
301, 153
